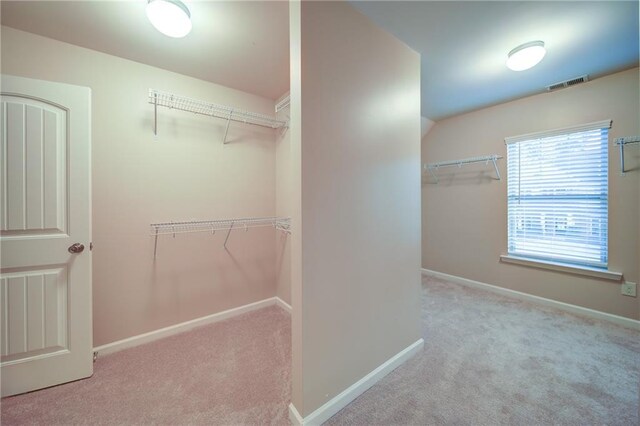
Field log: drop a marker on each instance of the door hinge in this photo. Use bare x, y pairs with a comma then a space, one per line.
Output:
95, 356
91, 246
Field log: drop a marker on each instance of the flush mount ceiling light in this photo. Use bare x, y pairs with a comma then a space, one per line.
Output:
170, 17
526, 55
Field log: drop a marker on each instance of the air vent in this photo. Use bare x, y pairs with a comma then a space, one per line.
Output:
572, 82
556, 86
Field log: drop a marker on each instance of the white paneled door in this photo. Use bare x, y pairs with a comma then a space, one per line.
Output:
45, 234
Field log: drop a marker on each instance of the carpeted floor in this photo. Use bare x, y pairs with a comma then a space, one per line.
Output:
232, 372
493, 360
488, 360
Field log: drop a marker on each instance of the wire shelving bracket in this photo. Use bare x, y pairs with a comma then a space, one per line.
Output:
621, 142
430, 167
172, 228
183, 103
283, 103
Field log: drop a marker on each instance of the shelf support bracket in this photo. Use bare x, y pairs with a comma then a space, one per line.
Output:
155, 114
228, 233
155, 244
433, 175
621, 145
495, 166
226, 130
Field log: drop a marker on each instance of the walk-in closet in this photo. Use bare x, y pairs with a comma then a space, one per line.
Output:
319, 212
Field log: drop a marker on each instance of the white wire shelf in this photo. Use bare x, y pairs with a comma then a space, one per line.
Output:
622, 142
430, 167
165, 228
172, 228
195, 106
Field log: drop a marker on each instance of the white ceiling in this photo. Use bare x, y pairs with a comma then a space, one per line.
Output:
464, 45
245, 44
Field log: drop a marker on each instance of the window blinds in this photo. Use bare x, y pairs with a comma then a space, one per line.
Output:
557, 195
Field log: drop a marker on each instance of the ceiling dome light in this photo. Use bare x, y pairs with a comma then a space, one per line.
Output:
170, 17
526, 55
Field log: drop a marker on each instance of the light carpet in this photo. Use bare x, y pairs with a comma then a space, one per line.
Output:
487, 360
232, 372
494, 360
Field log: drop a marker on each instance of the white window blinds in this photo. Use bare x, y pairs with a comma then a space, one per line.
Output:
557, 195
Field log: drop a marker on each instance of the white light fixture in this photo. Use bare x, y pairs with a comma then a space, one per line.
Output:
170, 17
526, 55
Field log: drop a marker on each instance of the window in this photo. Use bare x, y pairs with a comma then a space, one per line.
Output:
557, 195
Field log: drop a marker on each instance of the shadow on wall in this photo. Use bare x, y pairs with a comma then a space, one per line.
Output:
210, 269
460, 177
185, 127
631, 159
280, 252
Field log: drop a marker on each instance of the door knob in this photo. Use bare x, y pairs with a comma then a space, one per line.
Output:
76, 248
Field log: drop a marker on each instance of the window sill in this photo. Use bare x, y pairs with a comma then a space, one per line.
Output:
562, 267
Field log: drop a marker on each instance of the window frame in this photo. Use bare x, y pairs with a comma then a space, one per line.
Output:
551, 261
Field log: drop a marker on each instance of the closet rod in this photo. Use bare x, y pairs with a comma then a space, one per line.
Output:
484, 159
183, 103
621, 142
183, 227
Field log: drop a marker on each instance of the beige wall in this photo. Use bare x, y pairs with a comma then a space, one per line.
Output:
357, 280
464, 222
187, 173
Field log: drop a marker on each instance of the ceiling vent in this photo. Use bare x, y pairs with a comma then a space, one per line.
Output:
567, 83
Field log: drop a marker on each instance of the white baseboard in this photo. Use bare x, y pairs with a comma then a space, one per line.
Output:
340, 401
284, 305
188, 325
294, 417
567, 307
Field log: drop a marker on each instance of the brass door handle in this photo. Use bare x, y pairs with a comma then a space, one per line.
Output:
76, 248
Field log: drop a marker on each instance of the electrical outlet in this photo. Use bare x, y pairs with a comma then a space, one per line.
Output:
628, 289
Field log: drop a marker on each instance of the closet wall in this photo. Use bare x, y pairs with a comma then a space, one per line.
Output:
185, 173
464, 217
356, 256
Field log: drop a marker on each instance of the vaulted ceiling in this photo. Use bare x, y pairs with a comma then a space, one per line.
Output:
245, 44
464, 45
